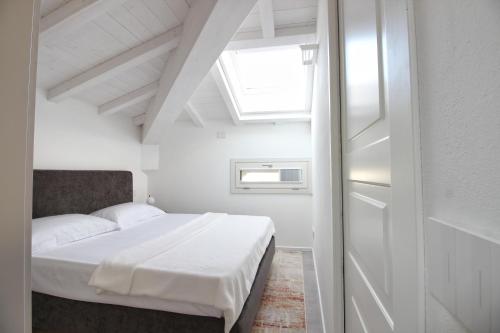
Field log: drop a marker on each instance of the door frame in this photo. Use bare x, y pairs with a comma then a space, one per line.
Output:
337, 90
21, 49
335, 85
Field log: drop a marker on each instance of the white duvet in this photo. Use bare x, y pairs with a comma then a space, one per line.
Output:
212, 260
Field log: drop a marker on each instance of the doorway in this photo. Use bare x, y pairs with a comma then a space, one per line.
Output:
383, 251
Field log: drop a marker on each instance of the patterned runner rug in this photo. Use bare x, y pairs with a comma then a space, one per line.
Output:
283, 309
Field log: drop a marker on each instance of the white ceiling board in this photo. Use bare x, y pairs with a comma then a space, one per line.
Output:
100, 94
115, 31
114, 28
183, 117
155, 15
215, 110
286, 13
159, 63
48, 6
206, 91
132, 23
113, 66
208, 101
123, 83
294, 17
71, 17
180, 8
292, 4
251, 23
52, 69
136, 109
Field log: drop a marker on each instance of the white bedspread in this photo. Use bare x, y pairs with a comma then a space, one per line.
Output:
211, 260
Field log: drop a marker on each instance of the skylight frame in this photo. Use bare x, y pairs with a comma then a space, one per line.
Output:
232, 85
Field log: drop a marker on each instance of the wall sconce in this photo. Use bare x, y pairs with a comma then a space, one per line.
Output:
151, 200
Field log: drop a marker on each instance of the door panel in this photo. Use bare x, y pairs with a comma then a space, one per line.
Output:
356, 321
362, 66
376, 317
369, 235
367, 165
371, 228
371, 164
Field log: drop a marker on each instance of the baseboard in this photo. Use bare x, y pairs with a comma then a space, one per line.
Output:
319, 292
295, 248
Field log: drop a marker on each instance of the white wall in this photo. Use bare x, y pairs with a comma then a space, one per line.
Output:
327, 180
459, 82
322, 181
194, 175
18, 52
72, 135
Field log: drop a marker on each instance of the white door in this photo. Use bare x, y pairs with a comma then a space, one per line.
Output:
381, 252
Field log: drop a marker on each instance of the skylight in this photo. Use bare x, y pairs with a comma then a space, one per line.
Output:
268, 80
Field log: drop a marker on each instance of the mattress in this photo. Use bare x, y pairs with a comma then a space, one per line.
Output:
66, 271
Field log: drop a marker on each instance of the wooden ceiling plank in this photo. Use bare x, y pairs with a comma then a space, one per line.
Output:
284, 36
71, 16
179, 8
116, 65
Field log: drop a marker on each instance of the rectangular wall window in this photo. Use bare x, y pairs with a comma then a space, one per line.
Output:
270, 176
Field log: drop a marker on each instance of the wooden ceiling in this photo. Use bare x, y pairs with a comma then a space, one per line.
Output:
151, 59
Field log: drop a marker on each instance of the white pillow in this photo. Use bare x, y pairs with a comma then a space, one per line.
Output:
129, 214
53, 231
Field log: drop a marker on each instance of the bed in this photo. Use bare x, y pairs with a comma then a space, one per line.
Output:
64, 302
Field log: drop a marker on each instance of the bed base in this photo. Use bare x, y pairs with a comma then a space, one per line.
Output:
60, 315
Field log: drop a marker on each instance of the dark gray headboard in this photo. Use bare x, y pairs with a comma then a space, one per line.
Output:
58, 192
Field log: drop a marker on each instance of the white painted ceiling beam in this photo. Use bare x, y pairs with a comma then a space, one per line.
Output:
71, 16
283, 36
118, 64
209, 26
275, 118
180, 8
266, 14
139, 120
219, 77
129, 99
194, 115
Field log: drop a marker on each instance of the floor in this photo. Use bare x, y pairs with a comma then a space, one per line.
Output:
290, 303
314, 321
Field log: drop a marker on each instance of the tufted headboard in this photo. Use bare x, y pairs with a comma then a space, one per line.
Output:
58, 192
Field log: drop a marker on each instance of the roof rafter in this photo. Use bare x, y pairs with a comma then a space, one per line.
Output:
284, 36
194, 115
72, 16
209, 26
219, 77
118, 64
266, 14
139, 120
134, 97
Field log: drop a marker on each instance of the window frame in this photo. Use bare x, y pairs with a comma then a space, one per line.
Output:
238, 187
268, 116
